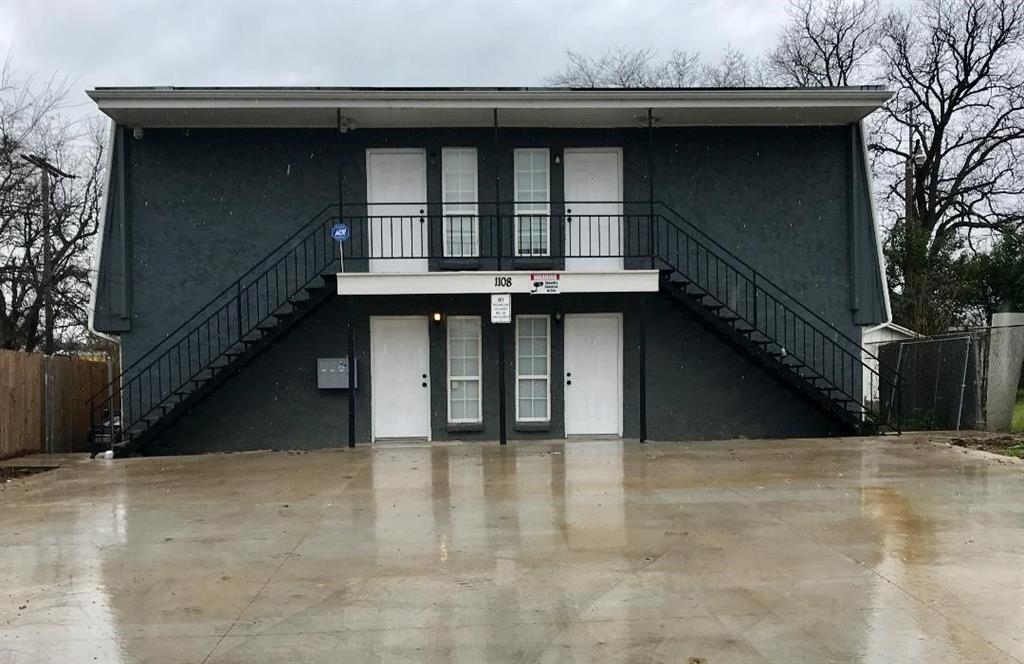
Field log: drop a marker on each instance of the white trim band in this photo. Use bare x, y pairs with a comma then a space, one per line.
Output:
454, 283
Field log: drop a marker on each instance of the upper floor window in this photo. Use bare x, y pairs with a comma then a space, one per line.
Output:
532, 201
459, 200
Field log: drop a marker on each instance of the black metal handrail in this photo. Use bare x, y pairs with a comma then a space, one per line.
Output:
470, 235
678, 219
817, 349
198, 312
219, 327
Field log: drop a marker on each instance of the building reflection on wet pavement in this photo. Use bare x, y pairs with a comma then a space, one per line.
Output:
849, 550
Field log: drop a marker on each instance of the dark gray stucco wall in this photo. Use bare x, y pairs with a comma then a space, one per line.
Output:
701, 388
778, 198
206, 205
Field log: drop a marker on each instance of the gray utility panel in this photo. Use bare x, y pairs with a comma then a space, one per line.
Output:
332, 373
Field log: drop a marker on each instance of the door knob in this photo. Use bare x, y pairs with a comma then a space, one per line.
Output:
424, 384
424, 375
568, 382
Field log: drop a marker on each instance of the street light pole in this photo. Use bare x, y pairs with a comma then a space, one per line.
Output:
46, 169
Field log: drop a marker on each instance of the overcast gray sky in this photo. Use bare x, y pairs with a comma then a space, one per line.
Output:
357, 43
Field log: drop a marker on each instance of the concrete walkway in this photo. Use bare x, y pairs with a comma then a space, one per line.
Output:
853, 550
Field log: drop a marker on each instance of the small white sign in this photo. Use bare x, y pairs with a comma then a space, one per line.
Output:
545, 284
501, 308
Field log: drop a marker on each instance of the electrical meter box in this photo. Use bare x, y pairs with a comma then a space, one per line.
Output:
332, 374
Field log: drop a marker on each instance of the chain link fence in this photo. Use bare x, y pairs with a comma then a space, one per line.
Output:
960, 380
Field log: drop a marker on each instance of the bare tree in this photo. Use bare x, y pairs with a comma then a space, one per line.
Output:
640, 68
733, 70
958, 70
31, 121
825, 43
682, 70
618, 68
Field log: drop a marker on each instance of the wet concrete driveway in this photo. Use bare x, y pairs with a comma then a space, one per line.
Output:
858, 550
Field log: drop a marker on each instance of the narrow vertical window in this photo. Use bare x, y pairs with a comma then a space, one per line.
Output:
533, 368
459, 199
532, 201
464, 369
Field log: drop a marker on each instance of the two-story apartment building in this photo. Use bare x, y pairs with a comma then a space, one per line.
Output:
492, 263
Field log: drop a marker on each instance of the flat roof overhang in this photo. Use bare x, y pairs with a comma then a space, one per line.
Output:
525, 282
475, 107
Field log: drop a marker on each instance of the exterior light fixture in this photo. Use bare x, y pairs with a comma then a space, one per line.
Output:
137, 133
437, 316
919, 155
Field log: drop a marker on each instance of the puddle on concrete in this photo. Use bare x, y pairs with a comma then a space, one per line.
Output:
8, 473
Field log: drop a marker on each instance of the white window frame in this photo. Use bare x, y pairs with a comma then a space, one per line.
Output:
547, 376
528, 208
460, 209
479, 369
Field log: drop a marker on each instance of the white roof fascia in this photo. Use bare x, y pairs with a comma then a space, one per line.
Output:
876, 228
97, 255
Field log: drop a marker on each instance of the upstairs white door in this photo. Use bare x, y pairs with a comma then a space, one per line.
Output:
593, 374
396, 195
399, 371
593, 209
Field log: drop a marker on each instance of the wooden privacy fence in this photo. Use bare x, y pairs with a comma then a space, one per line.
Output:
44, 401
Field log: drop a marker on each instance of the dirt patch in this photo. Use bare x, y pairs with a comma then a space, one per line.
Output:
8, 473
1012, 445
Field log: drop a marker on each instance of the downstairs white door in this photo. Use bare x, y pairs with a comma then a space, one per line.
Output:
400, 375
593, 374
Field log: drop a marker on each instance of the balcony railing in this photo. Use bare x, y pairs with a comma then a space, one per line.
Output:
414, 232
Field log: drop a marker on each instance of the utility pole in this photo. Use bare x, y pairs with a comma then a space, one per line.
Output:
46, 169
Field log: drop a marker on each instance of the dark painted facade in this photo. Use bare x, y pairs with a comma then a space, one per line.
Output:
190, 210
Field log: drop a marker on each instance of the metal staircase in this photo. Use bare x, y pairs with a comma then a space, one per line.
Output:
805, 352
218, 340
808, 354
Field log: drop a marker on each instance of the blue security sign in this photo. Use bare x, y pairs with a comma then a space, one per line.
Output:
339, 232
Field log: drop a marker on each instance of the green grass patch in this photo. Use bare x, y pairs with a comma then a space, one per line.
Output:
1018, 413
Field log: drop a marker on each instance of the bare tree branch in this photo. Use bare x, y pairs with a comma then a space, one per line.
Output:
31, 121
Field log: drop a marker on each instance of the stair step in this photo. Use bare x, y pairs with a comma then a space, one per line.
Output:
284, 315
729, 318
266, 327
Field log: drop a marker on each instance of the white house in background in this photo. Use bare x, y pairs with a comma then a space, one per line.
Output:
872, 340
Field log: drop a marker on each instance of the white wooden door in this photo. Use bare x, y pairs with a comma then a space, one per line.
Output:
593, 209
593, 374
400, 375
396, 195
